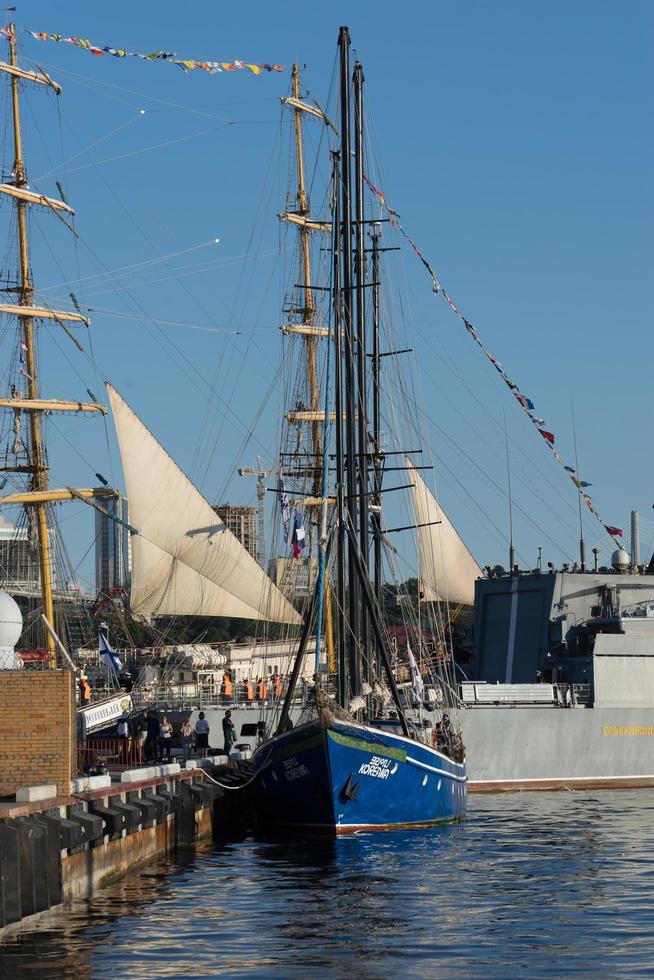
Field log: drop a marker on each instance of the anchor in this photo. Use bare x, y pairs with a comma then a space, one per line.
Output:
350, 790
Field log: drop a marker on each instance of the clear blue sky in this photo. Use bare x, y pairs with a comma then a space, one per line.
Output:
516, 141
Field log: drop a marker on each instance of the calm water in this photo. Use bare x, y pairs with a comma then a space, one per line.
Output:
540, 885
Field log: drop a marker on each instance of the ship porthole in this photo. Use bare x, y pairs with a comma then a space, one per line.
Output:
425, 780
439, 784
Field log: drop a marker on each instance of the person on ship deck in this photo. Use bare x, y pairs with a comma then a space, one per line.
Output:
227, 688
443, 733
277, 686
84, 690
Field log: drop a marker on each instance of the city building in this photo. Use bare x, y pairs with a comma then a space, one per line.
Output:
113, 553
19, 563
295, 577
242, 522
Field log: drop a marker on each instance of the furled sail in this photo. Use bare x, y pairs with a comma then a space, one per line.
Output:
447, 569
185, 562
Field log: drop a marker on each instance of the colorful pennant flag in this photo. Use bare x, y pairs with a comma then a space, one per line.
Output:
286, 510
299, 536
186, 64
417, 682
525, 403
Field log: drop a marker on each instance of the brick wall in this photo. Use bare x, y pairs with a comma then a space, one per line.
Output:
37, 729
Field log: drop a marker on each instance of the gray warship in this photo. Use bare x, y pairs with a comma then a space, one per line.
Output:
562, 679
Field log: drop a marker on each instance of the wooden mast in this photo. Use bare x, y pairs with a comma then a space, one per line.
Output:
38, 496
312, 334
309, 308
26, 292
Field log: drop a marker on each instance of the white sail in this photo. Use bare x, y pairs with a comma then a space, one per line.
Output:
185, 562
447, 569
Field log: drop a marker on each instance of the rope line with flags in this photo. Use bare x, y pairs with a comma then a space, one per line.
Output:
525, 403
186, 64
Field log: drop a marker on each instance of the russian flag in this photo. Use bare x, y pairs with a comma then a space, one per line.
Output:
299, 536
109, 655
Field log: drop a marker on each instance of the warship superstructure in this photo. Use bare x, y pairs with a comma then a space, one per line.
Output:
562, 674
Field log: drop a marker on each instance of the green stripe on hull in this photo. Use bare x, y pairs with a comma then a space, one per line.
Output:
376, 748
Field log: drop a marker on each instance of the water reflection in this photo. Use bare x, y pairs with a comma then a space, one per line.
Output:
552, 883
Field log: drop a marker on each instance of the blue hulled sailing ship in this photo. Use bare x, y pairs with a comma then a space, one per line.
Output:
344, 777
362, 755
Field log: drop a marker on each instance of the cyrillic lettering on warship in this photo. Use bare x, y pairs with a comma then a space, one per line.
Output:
628, 730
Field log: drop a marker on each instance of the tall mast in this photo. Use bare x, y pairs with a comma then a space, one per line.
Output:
350, 378
26, 293
362, 400
376, 416
309, 309
338, 406
38, 496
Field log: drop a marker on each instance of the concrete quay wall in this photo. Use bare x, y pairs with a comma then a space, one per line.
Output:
57, 849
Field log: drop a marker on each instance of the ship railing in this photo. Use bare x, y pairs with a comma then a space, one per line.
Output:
113, 754
170, 700
562, 695
572, 695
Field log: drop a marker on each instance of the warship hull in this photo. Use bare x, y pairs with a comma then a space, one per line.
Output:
547, 748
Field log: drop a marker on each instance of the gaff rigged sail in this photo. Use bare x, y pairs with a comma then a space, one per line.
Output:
185, 561
447, 569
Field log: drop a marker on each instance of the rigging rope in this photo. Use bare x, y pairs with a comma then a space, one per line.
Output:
525, 403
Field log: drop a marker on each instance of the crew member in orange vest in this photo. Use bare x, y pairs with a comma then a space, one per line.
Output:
249, 690
277, 685
84, 690
262, 691
227, 688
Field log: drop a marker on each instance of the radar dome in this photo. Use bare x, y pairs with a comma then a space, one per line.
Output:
11, 626
11, 621
620, 560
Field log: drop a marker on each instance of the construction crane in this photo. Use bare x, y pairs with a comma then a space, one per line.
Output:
261, 496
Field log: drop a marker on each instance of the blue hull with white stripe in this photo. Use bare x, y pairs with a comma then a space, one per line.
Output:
348, 777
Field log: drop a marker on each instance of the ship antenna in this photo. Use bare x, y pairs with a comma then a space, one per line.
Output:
508, 480
582, 543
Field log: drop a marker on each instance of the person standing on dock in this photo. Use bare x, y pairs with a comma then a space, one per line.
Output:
142, 732
187, 738
262, 690
229, 732
202, 732
151, 746
165, 739
125, 737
